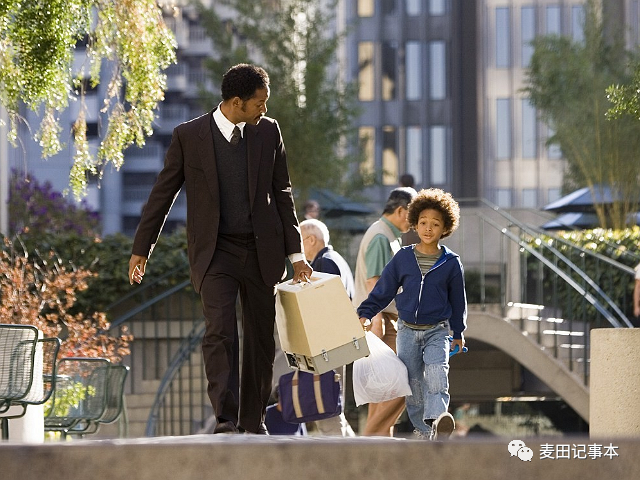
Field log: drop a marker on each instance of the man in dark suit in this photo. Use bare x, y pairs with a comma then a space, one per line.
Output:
241, 225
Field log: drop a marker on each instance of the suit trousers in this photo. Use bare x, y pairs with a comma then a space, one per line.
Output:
381, 417
234, 271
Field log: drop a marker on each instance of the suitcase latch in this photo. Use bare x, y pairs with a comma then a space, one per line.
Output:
325, 356
356, 343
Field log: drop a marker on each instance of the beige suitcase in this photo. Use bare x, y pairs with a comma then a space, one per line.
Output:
318, 327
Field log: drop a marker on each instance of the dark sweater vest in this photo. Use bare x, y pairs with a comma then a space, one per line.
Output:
233, 182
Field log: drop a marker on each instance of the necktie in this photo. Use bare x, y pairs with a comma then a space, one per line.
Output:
235, 136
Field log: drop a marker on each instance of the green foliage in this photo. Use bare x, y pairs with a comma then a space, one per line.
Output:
295, 45
567, 83
66, 398
37, 44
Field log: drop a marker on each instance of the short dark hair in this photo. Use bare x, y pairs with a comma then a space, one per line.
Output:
399, 197
435, 199
407, 180
242, 81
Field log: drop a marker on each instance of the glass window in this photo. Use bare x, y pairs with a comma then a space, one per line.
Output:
503, 38
367, 136
389, 7
529, 130
413, 70
366, 8
438, 155
553, 194
437, 70
553, 149
389, 156
530, 198
554, 24
577, 23
437, 7
365, 71
503, 197
503, 128
528, 31
389, 70
414, 153
413, 7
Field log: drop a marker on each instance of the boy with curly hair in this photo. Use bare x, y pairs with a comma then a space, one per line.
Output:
431, 302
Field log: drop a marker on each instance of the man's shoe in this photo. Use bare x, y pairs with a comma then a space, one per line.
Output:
226, 427
443, 426
262, 429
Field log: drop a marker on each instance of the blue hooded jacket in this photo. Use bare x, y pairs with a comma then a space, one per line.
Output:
421, 299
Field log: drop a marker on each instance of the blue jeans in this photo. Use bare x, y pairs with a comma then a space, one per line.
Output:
426, 356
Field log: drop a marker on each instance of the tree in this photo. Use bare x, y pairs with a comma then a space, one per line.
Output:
41, 292
567, 83
37, 44
295, 44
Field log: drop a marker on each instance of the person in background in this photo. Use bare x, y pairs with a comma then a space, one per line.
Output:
377, 247
427, 282
311, 209
323, 258
241, 227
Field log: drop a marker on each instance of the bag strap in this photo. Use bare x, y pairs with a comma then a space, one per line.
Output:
294, 395
317, 389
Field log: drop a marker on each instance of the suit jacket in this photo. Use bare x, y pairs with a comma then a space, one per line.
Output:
190, 161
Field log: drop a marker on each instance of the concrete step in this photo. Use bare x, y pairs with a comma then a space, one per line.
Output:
250, 457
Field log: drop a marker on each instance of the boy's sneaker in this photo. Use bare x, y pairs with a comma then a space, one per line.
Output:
443, 426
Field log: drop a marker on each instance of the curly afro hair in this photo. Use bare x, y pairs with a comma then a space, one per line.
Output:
435, 199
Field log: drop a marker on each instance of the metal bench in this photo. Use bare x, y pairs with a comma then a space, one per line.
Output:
80, 395
27, 370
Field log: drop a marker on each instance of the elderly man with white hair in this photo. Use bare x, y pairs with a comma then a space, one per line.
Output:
323, 258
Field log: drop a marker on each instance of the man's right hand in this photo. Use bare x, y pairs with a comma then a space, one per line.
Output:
137, 265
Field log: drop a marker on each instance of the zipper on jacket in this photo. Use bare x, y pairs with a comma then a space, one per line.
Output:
433, 267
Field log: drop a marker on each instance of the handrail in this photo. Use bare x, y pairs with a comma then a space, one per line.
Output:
610, 318
188, 345
535, 233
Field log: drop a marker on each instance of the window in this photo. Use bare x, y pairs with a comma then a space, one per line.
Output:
553, 150
553, 194
503, 197
365, 71
367, 137
388, 7
413, 70
437, 71
554, 24
414, 153
530, 198
577, 23
503, 128
528, 31
437, 7
389, 70
413, 7
389, 156
438, 155
529, 130
366, 8
503, 38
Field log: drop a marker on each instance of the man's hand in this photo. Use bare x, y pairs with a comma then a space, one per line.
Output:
301, 271
137, 265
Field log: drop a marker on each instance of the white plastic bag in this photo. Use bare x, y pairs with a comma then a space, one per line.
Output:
381, 376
